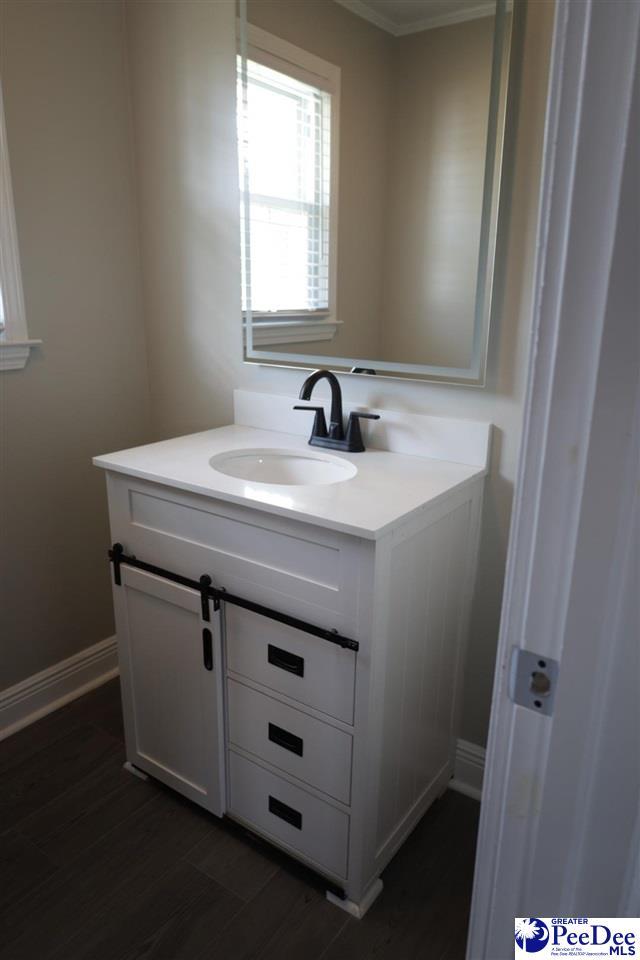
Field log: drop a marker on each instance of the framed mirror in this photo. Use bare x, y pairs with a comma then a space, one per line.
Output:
371, 141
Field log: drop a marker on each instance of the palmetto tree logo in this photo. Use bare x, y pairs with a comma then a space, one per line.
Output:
531, 934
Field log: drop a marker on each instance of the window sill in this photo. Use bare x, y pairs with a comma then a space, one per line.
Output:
293, 331
15, 353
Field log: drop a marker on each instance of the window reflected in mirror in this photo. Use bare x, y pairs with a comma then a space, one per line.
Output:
370, 159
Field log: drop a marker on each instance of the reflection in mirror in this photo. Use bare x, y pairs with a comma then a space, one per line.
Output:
370, 139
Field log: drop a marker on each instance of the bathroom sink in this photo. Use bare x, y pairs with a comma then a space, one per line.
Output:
290, 467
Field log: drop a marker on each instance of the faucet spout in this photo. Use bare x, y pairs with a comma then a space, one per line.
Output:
336, 426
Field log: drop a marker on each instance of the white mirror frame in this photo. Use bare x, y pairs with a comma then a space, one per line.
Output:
14, 338
501, 112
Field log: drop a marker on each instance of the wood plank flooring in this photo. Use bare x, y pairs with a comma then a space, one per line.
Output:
96, 864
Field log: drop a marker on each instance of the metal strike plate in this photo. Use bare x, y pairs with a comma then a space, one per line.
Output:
533, 679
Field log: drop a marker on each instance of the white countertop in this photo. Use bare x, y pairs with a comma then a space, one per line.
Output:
387, 489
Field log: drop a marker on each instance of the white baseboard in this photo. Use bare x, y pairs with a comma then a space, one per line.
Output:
468, 769
50, 689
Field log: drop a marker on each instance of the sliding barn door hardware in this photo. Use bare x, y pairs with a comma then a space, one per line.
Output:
219, 595
204, 585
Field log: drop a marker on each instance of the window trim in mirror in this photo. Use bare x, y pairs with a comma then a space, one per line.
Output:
291, 326
502, 109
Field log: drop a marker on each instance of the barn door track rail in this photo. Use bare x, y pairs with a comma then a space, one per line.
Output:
219, 595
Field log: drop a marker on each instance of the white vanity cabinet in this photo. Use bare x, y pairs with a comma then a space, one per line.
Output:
331, 753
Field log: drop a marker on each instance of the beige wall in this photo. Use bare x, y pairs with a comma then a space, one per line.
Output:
363, 52
183, 57
85, 390
438, 133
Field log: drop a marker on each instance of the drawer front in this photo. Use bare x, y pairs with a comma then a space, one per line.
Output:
306, 668
244, 539
303, 746
300, 569
289, 815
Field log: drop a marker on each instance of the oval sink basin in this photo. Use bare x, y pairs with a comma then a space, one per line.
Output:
289, 467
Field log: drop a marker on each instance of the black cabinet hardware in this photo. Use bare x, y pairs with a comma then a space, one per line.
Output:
205, 584
115, 555
290, 662
219, 595
285, 739
207, 649
280, 809
331, 635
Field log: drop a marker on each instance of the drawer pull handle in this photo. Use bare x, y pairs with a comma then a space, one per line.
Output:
285, 660
207, 649
285, 739
288, 814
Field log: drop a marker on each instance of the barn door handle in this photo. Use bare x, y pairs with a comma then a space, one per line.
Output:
207, 649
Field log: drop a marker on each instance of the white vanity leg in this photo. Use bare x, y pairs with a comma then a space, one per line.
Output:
135, 770
358, 910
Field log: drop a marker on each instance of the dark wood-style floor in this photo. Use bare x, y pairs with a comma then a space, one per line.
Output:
95, 863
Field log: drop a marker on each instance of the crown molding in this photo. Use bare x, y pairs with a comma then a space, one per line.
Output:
485, 8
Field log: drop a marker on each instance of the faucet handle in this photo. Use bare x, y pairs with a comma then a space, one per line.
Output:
319, 428
353, 439
356, 414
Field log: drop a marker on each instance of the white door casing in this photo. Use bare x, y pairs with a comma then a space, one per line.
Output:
560, 807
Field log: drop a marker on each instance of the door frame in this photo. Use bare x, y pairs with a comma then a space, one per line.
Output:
593, 65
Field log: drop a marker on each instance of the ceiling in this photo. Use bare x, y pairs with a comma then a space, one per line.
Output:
409, 16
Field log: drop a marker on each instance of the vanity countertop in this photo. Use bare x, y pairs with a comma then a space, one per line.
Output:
387, 489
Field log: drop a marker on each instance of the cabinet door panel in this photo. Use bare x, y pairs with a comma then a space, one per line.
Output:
171, 700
